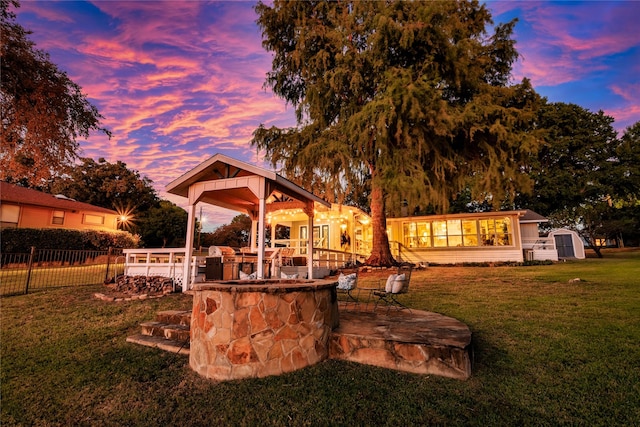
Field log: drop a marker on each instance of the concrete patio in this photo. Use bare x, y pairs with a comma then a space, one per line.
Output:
412, 341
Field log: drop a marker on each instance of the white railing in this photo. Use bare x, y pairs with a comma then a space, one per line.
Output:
334, 259
540, 243
160, 262
540, 249
170, 262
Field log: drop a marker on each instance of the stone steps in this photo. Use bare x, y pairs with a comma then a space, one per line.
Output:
166, 330
175, 317
169, 332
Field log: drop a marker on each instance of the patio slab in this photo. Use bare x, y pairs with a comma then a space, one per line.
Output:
412, 341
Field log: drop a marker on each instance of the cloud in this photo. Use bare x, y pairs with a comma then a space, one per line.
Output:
564, 42
175, 85
629, 92
180, 81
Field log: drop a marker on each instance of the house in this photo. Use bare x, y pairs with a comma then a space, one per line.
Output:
507, 236
26, 208
310, 236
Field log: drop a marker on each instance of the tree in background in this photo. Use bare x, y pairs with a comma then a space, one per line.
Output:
43, 111
624, 222
110, 185
235, 234
583, 175
628, 154
164, 225
411, 98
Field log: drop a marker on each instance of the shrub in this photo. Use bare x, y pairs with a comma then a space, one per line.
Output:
20, 240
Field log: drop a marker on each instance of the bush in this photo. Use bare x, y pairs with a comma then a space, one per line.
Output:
20, 240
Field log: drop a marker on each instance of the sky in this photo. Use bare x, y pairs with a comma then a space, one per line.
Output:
178, 82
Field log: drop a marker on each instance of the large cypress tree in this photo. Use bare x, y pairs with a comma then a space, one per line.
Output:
411, 98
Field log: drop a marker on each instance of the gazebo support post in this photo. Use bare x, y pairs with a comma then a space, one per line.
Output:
310, 213
188, 248
254, 231
262, 207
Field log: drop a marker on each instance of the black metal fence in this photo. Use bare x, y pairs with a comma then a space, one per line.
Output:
21, 273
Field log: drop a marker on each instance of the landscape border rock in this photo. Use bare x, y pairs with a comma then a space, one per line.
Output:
129, 288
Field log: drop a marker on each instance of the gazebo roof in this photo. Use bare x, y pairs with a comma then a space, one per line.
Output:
233, 184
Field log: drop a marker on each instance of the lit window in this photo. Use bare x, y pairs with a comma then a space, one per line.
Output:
410, 238
496, 232
93, 219
9, 215
440, 234
424, 234
487, 232
503, 232
470, 232
58, 218
454, 231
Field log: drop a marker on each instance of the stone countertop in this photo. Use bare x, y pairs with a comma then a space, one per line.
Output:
266, 285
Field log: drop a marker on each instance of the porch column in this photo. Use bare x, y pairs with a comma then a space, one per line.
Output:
261, 226
254, 229
273, 235
310, 213
188, 248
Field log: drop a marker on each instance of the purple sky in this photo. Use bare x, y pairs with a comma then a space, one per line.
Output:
180, 81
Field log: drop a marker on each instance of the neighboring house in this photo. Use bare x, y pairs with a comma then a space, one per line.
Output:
508, 236
26, 208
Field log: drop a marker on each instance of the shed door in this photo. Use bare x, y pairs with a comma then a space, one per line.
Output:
564, 245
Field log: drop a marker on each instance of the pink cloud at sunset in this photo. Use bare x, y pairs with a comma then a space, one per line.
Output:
180, 81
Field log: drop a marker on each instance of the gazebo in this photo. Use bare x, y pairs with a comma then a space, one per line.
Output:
232, 184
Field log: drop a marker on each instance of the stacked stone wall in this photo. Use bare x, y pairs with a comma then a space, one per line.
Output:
259, 333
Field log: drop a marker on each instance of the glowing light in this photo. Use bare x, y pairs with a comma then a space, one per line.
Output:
125, 218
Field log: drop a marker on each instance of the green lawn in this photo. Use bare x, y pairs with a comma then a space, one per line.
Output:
547, 352
13, 280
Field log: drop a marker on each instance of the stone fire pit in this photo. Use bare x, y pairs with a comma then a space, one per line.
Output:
245, 329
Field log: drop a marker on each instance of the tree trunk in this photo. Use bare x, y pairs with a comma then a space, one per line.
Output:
593, 242
380, 251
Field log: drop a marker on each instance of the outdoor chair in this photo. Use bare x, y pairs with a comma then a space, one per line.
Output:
347, 285
395, 285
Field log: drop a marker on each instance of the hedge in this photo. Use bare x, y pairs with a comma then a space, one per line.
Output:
20, 240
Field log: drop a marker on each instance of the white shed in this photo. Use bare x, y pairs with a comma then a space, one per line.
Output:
568, 243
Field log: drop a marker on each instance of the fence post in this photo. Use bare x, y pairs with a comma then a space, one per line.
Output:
26, 284
106, 275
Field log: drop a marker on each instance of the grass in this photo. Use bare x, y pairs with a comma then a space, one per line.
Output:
12, 281
547, 352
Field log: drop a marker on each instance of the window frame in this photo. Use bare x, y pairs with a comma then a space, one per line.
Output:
57, 219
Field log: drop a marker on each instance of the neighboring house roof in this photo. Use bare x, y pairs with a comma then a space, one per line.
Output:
10, 193
531, 216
